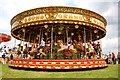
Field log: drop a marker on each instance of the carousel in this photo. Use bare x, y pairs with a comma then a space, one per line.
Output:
4, 38
58, 37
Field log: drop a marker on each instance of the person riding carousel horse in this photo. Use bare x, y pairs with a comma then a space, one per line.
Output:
66, 49
40, 49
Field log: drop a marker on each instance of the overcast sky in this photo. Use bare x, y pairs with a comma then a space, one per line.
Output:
106, 8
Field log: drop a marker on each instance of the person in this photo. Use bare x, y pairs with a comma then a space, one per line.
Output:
113, 58
3, 57
19, 49
70, 42
94, 46
11, 56
42, 42
99, 50
118, 57
40, 48
106, 58
110, 58
89, 51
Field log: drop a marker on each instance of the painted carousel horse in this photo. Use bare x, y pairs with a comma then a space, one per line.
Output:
80, 48
33, 52
40, 50
67, 51
79, 45
43, 50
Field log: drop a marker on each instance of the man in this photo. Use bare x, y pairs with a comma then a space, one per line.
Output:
113, 58
3, 57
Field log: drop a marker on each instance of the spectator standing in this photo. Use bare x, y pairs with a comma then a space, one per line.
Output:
113, 58
118, 57
110, 58
106, 58
3, 57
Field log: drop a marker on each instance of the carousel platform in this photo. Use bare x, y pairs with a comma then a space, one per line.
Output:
57, 64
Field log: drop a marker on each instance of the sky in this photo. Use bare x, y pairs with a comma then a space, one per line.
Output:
106, 8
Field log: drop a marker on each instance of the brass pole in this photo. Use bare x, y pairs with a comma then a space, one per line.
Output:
42, 34
23, 30
85, 39
39, 36
51, 40
91, 35
64, 37
29, 39
55, 38
23, 38
67, 35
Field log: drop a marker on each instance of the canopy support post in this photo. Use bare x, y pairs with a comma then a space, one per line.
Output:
67, 35
91, 35
23, 40
39, 36
29, 39
85, 40
51, 40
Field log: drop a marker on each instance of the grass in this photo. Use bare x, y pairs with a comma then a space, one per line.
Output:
110, 72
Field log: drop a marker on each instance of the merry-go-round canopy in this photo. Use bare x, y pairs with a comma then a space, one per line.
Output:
74, 20
4, 37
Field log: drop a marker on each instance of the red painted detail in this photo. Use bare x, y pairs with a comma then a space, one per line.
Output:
57, 64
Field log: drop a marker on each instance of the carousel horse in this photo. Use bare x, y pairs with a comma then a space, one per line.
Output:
68, 51
79, 46
43, 50
32, 50
61, 47
80, 49
71, 48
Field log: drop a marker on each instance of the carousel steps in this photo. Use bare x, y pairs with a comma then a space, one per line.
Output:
57, 64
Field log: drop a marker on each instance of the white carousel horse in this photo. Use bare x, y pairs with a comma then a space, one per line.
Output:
69, 48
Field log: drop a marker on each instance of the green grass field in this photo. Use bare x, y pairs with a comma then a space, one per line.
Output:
110, 72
